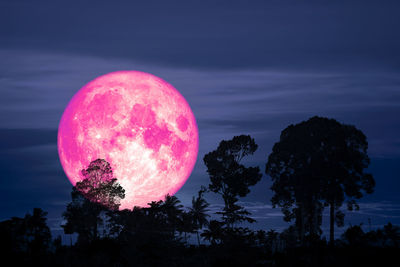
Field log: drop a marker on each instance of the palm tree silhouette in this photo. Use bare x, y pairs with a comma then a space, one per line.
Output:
199, 213
172, 209
214, 233
392, 234
185, 224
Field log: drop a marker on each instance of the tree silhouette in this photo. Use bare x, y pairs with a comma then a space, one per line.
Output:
260, 238
230, 178
171, 207
317, 163
185, 224
82, 217
100, 186
37, 231
129, 225
391, 235
354, 236
97, 192
272, 240
289, 237
141, 226
198, 212
386, 236
155, 225
29, 234
214, 233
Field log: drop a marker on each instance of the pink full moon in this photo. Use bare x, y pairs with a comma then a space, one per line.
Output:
138, 123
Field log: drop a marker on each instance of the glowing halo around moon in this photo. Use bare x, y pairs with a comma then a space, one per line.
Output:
138, 123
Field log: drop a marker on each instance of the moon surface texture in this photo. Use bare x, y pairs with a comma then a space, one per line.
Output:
138, 123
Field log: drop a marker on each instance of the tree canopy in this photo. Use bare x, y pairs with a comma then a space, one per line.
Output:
231, 179
98, 192
316, 163
29, 234
100, 186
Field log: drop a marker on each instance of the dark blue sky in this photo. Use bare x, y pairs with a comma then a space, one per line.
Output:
245, 67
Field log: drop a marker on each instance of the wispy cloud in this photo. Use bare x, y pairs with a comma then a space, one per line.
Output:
36, 87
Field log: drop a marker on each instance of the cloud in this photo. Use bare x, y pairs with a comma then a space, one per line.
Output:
37, 87
20, 138
211, 35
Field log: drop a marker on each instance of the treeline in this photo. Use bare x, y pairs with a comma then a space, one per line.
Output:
147, 238
317, 164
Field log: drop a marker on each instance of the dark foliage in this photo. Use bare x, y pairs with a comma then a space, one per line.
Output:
96, 194
100, 186
316, 163
198, 213
27, 239
310, 168
231, 179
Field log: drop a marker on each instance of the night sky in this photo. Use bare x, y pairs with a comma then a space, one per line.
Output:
245, 67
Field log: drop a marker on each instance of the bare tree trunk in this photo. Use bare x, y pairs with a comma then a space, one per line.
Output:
302, 225
332, 224
198, 238
95, 232
315, 219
